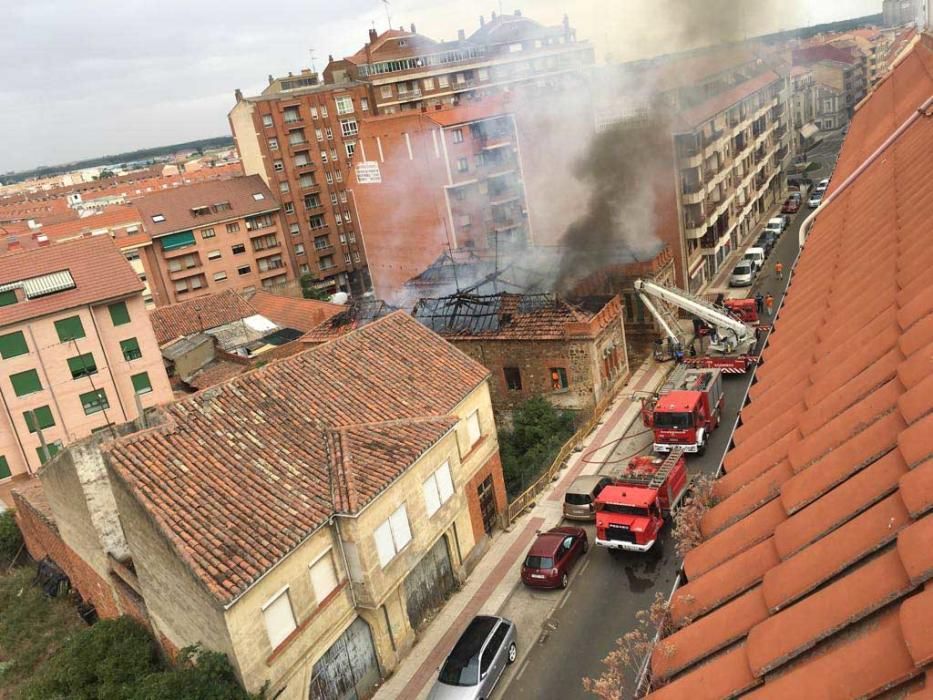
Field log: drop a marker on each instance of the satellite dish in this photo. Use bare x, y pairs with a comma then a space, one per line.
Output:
339, 298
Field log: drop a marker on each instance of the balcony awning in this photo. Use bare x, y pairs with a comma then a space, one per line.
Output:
177, 240
809, 130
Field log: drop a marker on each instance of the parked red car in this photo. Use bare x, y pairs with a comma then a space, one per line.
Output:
791, 205
552, 556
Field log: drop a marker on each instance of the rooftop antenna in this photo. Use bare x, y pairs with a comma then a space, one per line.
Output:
313, 67
388, 16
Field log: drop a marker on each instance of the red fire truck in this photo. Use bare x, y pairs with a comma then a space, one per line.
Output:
630, 513
685, 410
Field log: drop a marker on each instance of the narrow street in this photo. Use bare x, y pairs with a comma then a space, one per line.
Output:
610, 588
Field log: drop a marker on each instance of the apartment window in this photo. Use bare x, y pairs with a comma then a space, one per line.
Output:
279, 618
304, 268
221, 206
278, 166
26, 382
344, 104
352, 237
94, 402
296, 136
294, 229
350, 148
338, 176
13, 345
349, 127
473, 428
558, 378
273, 262
437, 489
513, 378
323, 576
333, 198
386, 91
463, 165
324, 111
299, 249
312, 201
482, 74
207, 233
130, 349
322, 242
356, 257
284, 186
39, 418
329, 177
317, 221
69, 328
141, 383
343, 196
4, 468
333, 154
428, 83
51, 449
119, 314
314, 112
82, 365
238, 249
291, 115
243, 270
323, 156
329, 133
392, 536
319, 135
443, 81
273, 144
289, 207
306, 181
7, 297
220, 276
267, 120
158, 218
346, 215
364, 104
327, 262
338, 218
458, 135
346, 258
213, 255
181, 286
234, 227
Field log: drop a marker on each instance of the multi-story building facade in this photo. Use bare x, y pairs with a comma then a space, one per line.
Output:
451, 178
211, 237
320, 551
77, 351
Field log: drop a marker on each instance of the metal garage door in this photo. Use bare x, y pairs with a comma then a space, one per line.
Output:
349, 669
429, 584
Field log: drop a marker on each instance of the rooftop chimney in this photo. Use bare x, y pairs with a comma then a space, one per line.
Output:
271, 79
413, 28
238, 94
372, 35
330, 58
461, 35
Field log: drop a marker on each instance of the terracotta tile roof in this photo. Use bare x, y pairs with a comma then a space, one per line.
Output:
195, 315
356, 314
470, 111
289, 312
29, 494
99, 270
215, 373
112, 217
241, 473
176, 204
824, 523
695, 116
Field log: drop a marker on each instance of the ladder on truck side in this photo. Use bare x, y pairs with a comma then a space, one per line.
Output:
661, 475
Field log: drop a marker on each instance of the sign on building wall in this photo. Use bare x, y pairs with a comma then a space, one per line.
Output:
367, 173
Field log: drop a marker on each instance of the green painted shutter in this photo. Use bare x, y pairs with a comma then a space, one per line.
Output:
4, 468
141, 383
26, 382
69, 328
43, 416
94, 402
82, 365
130, 348
8, 297
177, 240
53, 447
118, 313
13, 345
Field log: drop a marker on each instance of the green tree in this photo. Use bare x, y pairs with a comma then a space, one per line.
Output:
538, 432
103, 662
11, 539
309, 290
198, 675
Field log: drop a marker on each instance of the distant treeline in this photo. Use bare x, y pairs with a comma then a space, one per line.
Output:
128, 157
843, 25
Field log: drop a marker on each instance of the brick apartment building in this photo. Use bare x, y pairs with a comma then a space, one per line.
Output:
456, 174
77, 351
356, 487
300, 135
213, 236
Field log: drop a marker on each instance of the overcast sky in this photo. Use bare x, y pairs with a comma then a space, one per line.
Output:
82, 78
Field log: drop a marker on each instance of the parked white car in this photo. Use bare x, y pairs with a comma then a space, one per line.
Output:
742, 274
756, 256
822, 185
815, 200
777, 224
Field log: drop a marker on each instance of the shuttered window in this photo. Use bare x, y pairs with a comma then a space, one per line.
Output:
279, 618
4, 468
53, 449
141, 384
69, 328
26, 382
438, 488
119, 314
473, 429
392, 536
323, 577
130, 348
82, 365
41, 416
13, 345
94, 402
7, 297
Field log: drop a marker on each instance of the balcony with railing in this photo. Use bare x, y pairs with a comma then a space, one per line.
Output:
271, 266
693, 192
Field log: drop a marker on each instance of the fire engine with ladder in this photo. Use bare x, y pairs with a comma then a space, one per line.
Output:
733, 339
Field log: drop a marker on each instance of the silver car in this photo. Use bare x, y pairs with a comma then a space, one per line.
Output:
477, 661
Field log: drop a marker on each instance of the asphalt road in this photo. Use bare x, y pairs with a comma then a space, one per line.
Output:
611, 587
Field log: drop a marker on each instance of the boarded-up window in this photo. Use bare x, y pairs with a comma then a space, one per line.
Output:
473, 429
438, 488
279, 618
323, 577
392, 536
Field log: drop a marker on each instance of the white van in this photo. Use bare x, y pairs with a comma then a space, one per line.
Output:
756, 256
776, 224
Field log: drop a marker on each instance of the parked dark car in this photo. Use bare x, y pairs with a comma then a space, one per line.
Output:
477, 661
766, 240
791, 205
799, 180
552, 556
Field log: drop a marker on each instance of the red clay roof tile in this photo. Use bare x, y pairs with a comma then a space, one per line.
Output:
725, 676
752, 496
917, 489
289, 312
914, 442
916, 619
918, 401
196, 315
915, 548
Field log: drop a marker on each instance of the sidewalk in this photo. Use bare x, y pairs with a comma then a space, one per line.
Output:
720, 282
493, 581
